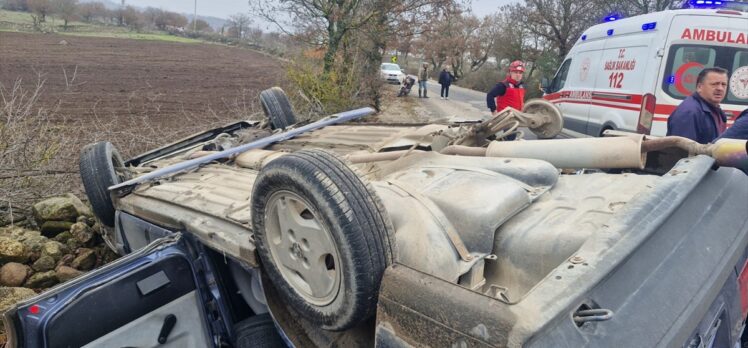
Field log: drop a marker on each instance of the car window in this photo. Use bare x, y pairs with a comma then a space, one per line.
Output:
685, 62
390, 67
560, 79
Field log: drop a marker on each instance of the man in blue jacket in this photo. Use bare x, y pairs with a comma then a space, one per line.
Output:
699, 116
739, 129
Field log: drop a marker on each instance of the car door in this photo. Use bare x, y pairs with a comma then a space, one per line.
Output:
148, 298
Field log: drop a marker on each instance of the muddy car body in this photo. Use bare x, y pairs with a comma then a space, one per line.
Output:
392, 235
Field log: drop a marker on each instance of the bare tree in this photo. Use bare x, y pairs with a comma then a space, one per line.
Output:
15, 5
560, 22
132, 18
39, 10
91, 10
68, 11
201, 26
239, 24
637, 7
255, 35
152, 15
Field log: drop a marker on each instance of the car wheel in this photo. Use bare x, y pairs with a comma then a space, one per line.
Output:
101, 167
258, 332
323, 237
554, 117
277, 108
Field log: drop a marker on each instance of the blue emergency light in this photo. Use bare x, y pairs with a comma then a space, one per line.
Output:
612, 18
649, 26
584, 37
707, 3
610, 32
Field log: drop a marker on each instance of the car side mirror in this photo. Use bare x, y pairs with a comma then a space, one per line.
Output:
402, 71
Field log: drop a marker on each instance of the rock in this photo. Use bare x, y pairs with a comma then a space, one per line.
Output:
62, 42
61, 208
85, 260
12, 251
53, 228
63, 237
88, 220
13, 274
44, 263
33, 242
65, 273
54, 249
66, 260
107, 255
9, 296
18, 233
42, 280
73, 244
55, 209
82, 233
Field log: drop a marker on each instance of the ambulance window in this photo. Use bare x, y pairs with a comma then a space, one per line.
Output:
560, 79
685, 62
737, 89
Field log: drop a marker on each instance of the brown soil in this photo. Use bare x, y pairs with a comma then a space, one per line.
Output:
162, 81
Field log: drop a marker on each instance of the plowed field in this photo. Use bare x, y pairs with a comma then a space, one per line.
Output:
162, 82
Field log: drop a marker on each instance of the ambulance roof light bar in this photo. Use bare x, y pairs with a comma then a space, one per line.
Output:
707, 3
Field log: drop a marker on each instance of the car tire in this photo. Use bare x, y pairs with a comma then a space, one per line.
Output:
257, 332
328, 253
277, 108
97, 169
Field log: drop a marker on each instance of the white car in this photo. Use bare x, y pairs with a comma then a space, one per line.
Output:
391, 73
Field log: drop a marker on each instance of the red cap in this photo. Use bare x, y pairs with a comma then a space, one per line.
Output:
517, 65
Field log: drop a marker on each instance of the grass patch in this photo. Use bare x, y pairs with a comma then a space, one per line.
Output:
132, 35
15, 17
12, 21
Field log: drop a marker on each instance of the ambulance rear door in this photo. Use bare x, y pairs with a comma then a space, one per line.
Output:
699, 40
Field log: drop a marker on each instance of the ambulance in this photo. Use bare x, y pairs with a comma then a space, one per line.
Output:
646, 65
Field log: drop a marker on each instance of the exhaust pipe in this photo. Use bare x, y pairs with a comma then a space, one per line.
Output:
731, 153
618, 152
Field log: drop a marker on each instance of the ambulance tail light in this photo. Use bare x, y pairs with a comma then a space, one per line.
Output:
646, 114
743, 289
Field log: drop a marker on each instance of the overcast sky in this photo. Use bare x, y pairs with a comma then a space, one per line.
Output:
225, 8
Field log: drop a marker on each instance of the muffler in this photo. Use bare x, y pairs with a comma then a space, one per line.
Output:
730, 153
618, 152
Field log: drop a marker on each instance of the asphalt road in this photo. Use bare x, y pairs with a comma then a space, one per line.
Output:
476, 99
466, 104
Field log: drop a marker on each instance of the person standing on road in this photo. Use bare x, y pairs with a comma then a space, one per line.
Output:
699, 116
445, 79
423, 76
510, 92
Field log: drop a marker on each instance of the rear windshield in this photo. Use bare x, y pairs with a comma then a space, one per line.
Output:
686, 61
390, 67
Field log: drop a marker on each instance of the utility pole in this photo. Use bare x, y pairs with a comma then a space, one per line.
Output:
194, 19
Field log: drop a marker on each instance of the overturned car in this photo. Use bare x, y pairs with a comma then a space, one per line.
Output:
354, 234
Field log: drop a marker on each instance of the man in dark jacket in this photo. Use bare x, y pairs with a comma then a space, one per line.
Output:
739, 129
445, 79
423, 76
699, 116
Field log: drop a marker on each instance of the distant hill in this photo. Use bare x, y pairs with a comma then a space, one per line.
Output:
215, 22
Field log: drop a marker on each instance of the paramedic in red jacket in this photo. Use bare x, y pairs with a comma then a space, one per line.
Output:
510, 92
